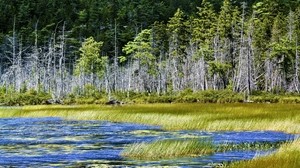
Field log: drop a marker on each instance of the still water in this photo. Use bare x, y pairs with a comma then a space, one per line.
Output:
54, 142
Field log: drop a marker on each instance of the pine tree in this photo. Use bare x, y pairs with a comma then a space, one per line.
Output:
204, 29
177, 46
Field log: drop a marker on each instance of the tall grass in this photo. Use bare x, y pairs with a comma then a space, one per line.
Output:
211, 117
165, 149
288, 156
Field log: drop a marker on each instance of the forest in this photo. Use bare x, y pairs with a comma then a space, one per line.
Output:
79, 48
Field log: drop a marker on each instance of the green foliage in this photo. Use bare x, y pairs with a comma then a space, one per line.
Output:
88, 95
90, 61
177, 34
225, 19
204, 23
141, 49
29, 97
216, 67
204, 29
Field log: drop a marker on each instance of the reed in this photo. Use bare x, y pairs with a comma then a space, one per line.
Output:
165, 149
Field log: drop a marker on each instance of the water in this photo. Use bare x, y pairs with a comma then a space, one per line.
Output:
53, 142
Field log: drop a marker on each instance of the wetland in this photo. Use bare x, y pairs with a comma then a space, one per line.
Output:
76, 136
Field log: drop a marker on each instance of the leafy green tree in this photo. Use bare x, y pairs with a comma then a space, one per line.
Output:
219, 68
90, 61
141, 49
141, 52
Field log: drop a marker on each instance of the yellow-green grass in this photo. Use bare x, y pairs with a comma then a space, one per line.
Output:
164, 149
210, 117
288, 156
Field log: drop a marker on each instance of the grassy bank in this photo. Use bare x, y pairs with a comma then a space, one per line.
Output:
211, 117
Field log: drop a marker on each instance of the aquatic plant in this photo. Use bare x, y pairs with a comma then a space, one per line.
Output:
163, 149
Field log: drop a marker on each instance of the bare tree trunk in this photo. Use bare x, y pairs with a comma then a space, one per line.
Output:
296, 80
61, 64
14, 57
129, 77
19, 76
115, 69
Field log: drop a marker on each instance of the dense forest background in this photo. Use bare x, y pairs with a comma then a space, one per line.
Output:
63, 47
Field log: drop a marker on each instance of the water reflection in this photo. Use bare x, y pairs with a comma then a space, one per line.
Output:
53, 142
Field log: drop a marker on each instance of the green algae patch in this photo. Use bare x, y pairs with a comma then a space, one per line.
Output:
167, 149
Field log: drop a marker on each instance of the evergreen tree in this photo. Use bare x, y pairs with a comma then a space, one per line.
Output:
177, 45
204, 29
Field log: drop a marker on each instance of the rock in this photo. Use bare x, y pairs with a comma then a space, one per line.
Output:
52, 101
113, 102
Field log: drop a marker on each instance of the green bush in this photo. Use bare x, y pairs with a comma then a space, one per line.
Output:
30, 97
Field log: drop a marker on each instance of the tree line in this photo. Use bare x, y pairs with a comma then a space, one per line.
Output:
154, 47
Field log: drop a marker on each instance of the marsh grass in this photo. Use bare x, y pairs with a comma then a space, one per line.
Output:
164, 149
210, 117
288, 156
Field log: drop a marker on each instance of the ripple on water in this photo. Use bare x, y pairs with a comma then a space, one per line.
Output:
55, 142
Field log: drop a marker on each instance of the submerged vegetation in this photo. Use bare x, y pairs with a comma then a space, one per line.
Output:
164, 149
